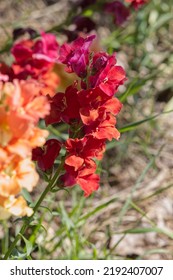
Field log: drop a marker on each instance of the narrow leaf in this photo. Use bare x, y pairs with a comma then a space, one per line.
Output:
28, 244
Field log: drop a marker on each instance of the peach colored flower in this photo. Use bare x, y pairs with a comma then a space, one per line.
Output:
21, 107
50, 82
14, 206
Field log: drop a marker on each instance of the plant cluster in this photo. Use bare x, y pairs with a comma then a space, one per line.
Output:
88, 107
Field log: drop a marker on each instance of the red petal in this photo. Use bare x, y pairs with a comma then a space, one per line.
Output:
89, 183
74, 161
88, 115
116, 73
113, 105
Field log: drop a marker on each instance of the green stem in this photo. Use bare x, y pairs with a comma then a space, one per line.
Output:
37, 205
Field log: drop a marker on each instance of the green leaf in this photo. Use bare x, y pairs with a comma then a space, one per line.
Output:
28, 244
26, 195
16, 255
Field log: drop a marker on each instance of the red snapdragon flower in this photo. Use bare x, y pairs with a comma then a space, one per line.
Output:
93, 108
80, 166
76, 55
81, 149
119, 11
109, 76
64, 107
137, 3
103, 129
46, 48
95, 103
88, 183
34, 57
6, 71
46, 156
103, 71
90, 112
84, 177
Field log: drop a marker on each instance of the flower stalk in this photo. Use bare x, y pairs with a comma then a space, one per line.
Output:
36, 207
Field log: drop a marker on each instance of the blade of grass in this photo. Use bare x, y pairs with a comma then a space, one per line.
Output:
159, 191
147, 230
133, 125
153, 251
139, 210
115, 246
96, 210
135, 187
136, 84
67, 221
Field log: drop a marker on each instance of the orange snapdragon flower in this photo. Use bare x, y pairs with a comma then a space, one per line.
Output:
21, 107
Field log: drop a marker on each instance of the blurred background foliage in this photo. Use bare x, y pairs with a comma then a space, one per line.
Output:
130, 216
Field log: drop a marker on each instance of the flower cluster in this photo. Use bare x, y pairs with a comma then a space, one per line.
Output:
90, 110
88, 107
35, 59
23, 87
21, 106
